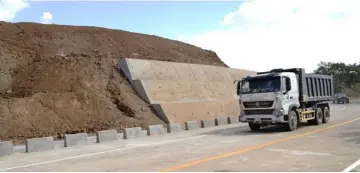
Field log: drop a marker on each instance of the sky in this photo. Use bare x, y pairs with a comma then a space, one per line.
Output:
253, 34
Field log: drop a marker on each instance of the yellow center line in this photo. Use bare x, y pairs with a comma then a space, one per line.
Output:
174, 168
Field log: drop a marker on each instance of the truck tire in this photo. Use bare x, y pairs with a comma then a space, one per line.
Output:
326, 114
292, 122
318, 116
254, 127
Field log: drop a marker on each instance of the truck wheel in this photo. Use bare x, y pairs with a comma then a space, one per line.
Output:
318, 116
254, 127
326, 114
293, 121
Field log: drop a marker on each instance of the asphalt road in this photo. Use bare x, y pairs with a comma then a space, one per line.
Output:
334, 146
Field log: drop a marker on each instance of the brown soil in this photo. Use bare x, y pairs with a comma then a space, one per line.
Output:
62, 79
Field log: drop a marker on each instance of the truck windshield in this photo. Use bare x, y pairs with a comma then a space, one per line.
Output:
269, 84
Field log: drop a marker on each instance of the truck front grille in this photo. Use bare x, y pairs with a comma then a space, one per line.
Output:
260, 104
259, 112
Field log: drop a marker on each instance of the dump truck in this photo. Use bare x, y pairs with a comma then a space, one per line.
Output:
288, 97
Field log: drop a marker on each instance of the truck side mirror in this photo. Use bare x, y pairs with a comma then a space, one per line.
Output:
238, 88
288, 84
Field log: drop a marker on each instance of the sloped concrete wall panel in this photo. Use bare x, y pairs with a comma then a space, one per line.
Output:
137, 69
184, 71
181, 112
217, 90
168, 91
164, 70
182, 92
140, 89
198, 72
237, 74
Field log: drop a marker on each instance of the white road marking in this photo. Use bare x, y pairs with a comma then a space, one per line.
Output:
298, 152
97, 153
351, 167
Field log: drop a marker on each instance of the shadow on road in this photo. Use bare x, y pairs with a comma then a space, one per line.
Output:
350, 133
224, 171
353, 137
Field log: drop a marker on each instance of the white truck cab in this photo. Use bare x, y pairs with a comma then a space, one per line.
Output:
269, 98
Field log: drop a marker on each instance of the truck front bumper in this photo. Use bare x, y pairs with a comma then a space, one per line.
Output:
262, 119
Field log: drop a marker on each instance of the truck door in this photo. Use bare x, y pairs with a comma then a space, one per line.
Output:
291, 94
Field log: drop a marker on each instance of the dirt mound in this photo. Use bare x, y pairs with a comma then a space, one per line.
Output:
62, 79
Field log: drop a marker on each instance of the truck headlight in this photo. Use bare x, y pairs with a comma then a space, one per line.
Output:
278, 112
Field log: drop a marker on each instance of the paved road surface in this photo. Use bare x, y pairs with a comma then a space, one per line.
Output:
328, 147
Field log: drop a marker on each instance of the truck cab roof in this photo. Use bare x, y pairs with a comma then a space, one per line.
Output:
265, 75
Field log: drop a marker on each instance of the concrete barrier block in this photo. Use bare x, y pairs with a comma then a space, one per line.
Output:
39, 144
134, 132
233, 119
75, 139
207, 123
106, 135
192, 125
175, 127
219, 121
6, 148
156, 130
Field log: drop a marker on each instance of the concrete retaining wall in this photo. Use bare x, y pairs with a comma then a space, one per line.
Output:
135, 69
39, 144
182, 92
106, 136
172, 91
75, 139
6, 148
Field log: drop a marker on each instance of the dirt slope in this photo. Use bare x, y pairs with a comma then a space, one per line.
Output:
62, 79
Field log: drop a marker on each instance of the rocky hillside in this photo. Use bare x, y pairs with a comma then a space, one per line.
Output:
62, 79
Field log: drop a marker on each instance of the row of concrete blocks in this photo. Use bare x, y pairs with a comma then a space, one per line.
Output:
47, 143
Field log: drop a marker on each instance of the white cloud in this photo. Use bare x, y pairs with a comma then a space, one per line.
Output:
266, 34
9, 8
46, 18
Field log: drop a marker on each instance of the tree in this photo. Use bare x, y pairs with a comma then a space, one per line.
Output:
344, 75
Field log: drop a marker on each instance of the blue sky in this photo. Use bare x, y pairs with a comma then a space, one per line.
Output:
255, 35
167, 19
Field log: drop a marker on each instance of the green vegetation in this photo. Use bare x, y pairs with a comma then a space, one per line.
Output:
346, 76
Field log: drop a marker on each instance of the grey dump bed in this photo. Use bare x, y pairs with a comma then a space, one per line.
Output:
315, 87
